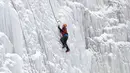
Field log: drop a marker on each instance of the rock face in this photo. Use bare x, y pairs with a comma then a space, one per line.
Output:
99, 36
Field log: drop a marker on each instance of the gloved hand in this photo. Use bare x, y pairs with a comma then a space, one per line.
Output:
58, 26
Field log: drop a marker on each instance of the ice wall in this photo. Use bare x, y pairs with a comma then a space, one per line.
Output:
10, 25
99, 36
108, 36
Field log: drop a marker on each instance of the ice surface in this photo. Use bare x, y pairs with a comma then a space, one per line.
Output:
99, 36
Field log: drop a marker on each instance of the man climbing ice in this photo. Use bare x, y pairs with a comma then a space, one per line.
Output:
64, 37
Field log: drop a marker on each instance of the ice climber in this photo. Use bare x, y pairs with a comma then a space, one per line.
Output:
64, 37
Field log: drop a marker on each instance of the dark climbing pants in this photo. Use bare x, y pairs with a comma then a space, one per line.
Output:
64, 42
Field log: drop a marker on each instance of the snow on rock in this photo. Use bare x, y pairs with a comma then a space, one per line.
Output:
4, 70
120, 30
5, 43
5, 47
37, 58
14, 62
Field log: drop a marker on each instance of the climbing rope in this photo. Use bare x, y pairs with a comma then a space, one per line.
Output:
57, 23
53, 12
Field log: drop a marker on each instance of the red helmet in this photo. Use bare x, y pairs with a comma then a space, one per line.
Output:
64, 25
